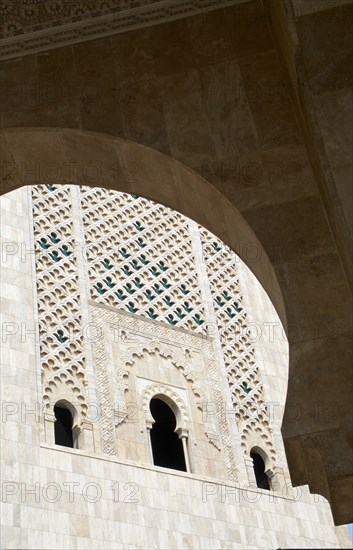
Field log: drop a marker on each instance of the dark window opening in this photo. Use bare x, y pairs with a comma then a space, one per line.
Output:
167, 447
63, 427
262, 480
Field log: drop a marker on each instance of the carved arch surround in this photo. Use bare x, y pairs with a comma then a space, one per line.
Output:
64, 387
172, 399
156, 347
258, 435
102, 317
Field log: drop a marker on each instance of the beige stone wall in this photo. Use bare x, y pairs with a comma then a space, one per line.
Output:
148, 508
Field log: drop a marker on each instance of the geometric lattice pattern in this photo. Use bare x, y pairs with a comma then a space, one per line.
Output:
140, 258
238, 350
61, 345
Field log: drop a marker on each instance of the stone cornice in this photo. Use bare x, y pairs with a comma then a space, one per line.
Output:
31, 26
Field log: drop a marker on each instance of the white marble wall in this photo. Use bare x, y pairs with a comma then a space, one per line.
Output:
54, 497
74, 506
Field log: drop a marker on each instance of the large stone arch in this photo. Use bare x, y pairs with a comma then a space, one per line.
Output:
38, 155
316, 381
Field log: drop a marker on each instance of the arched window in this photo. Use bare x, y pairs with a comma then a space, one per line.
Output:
167, 447
63, 426
262, 480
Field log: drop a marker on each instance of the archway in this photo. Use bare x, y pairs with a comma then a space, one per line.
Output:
167, 447
40, 155
63, 426
262, 480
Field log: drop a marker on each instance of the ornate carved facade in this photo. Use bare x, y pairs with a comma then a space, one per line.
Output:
165, 310
105, 366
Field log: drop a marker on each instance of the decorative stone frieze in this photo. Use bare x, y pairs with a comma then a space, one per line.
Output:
32, 25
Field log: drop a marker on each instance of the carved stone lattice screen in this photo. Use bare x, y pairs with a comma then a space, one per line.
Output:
59, 307
140, 258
